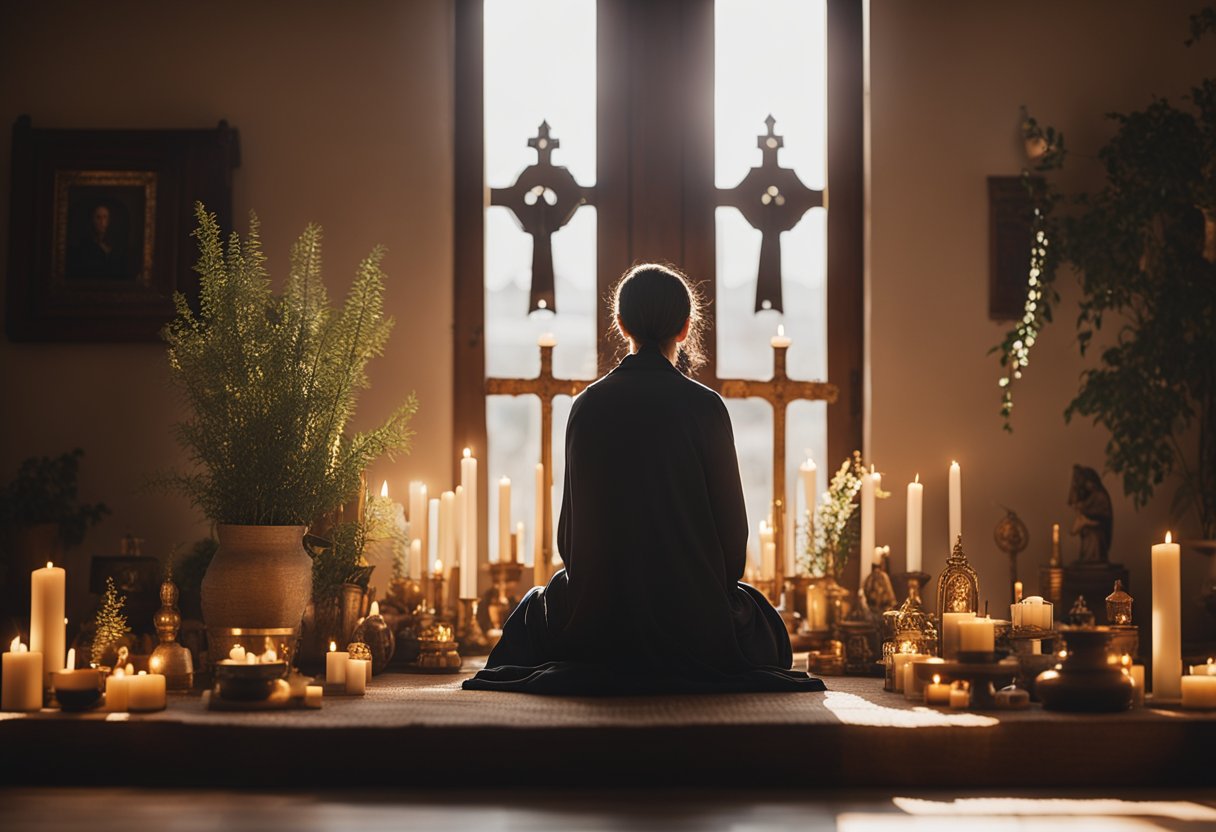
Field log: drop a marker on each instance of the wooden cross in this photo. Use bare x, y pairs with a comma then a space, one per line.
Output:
779, 391
546, 387
543, 199
772, 199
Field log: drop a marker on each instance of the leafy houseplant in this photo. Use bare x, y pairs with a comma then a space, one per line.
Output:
1144, 249
271, 382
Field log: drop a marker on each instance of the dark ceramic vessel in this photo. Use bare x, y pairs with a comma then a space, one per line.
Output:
1086, 680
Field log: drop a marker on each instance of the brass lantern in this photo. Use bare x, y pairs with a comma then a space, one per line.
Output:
958, 588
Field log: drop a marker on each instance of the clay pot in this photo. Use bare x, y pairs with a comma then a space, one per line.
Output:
260, 578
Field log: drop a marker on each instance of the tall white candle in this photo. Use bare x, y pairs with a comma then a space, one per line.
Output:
956, 505
447, 529
48, 633
807, 475
519, 541
418, 520
472, 545
504, 520
458, 521
432, 530
1167, 621
22, 689
869, 484
415, 561
916, 495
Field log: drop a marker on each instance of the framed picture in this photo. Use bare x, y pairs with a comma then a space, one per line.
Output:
100, 227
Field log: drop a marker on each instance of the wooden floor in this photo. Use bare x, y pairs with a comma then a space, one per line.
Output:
122, 810
423, 731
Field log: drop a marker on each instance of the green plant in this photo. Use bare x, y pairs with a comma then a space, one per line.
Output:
1144, 250
339, 561
45, 491
271, 381
110, 625
837, 523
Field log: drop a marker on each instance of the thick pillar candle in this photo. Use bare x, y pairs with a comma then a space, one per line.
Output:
146, 692
1198, 692
22, 689
869, 482
48, 633
976, 635
470, 539
916, 495
937, 692
116, 691
768, 552
504, 520
1167, 621
956, 505
950, 632
335, 665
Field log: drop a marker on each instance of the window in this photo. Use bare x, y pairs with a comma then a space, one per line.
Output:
656, 109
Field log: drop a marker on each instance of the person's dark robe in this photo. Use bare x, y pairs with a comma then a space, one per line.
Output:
653, 535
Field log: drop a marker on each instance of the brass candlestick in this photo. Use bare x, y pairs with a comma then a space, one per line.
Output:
499, 601
471, 638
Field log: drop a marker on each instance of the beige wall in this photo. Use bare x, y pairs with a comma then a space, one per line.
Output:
947, 78
345, 118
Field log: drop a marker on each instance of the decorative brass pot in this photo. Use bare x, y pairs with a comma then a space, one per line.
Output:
260, 578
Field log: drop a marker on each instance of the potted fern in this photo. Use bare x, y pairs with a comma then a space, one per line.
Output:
270, 382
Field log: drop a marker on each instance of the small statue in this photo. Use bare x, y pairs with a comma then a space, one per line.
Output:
1080, 615
878, 590
1090, 500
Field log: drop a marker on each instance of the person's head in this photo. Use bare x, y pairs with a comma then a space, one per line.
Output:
656, 306
101, 220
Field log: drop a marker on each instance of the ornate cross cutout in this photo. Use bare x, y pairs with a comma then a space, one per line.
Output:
543, 199
772, 199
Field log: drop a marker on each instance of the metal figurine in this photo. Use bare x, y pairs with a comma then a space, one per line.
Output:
546, 387
778, 391
958, 587
1011, 538
169, 657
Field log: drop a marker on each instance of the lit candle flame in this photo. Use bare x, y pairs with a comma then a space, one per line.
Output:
375, 608
384, 489
1169, 538
70, 664
917, 478
438, 566
48, 564
15, 645
937, 680
468, 452
1126, 660
333, 647
780, 330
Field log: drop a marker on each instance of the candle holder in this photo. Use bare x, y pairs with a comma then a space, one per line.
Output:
499, 600
469, 635
860, 637
908, 629
169, 658
435, 601
1086, 679
958, 587
77, 690
438, 653
984, 678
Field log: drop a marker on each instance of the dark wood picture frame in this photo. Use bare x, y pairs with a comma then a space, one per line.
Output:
99, 231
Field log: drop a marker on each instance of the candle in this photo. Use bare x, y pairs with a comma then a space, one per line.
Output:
807, 475
459, 518
902, 662
1017, 591
916, 495
447, 529
415, 563
146, 692
1198, 692
518, 551
956, 505
357, 671
432, 529
70, 664
470, 540
914, 688
817, 606
950, 632
937, 693
116, 691
1208, 669
22, 669
237, 654
1167, 621
869, 483
780, 340
960, 698
48, 633
313, 694
1032, 612
335, 665
418, 512
976, 635
504, 520
547, 339
768, 552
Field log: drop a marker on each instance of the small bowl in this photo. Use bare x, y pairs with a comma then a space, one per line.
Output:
240, 682
77, 690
